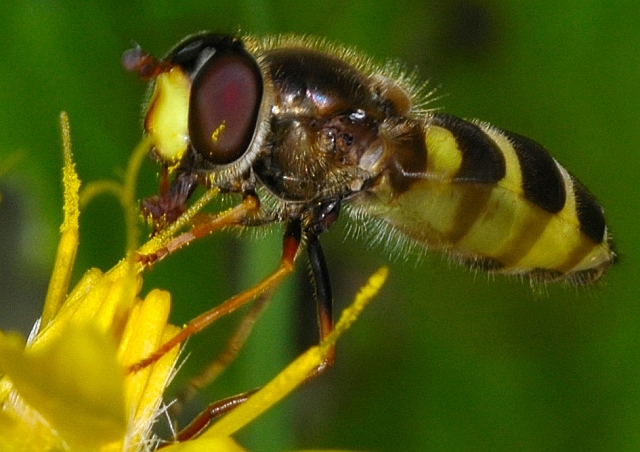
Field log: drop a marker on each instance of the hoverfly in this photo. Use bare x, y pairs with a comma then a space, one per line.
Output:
305, 130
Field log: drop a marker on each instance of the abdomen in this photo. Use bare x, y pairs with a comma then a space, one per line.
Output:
493, 199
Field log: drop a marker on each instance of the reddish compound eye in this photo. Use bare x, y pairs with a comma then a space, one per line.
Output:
224, 107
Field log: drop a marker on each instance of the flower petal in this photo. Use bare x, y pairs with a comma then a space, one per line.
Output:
75, 383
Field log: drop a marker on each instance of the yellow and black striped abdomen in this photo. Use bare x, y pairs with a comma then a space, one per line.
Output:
494, 199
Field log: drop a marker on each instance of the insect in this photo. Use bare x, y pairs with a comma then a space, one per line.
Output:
306, 131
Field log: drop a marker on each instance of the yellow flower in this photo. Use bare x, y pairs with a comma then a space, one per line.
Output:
69, 386
67, 389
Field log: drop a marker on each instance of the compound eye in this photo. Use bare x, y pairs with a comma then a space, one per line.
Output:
224, 106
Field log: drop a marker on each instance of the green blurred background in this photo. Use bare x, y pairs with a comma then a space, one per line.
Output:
443, 359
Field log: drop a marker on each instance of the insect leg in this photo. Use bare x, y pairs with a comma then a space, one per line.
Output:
222, 361
324, 216
213, 411
323, 296
291, 243
205, 225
